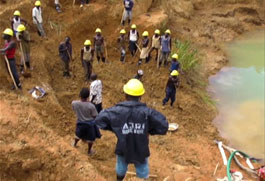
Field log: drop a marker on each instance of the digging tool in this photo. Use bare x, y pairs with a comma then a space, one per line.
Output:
138, 47
106, 50
122, 15
26, 73
71, 60
9, 70
158, 56
69, 56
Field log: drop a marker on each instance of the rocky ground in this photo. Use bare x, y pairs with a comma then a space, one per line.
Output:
37, 135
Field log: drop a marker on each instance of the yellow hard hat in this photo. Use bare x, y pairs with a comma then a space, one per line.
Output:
98, 30
175, 56
145, 33
21, 27
174, 73
134, 88
133, 26
87, 42
9, 32
122, 31
16, 13
37, 3
157, 31
168, 31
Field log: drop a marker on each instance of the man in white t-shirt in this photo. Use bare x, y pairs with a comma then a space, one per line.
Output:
37, 18
57, 6
96, 92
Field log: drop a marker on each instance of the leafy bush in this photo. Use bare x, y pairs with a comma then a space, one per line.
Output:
188, 57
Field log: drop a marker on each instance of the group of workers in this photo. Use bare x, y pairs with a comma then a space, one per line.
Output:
160, 44
131, 120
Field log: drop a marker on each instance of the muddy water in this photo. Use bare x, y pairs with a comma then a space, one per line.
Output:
239, 91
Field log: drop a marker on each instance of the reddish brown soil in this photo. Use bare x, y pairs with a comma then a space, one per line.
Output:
36, 136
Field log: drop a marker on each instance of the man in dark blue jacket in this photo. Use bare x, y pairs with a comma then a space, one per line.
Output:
127, 13
175, 64
65, 52
132, 122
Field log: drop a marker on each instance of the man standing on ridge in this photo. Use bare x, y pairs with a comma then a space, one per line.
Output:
10, 51
122, 44
156, 43
144, 52
24, 39
65, 52
99, 45
132, 122
37, 18
166, 47
16, 21
171, 88
127, 12
133, 38
87, 55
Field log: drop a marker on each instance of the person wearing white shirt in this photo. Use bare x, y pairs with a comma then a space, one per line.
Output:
37, 18
96, 92
57, 6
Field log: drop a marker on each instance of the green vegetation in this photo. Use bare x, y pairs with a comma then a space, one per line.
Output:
163, 26
188, 57
206, 98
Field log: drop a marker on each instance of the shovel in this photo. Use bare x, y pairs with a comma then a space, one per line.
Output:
9, 70
138, 47
106, 50
71, 60
26, 74
158, 55
122, 15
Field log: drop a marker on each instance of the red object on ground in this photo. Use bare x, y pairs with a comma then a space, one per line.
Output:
261, 173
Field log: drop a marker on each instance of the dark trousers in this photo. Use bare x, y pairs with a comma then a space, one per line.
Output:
163, 58
12, 64
84, 1
66, 67
123, 53
170, 94
88, 69
98, 107
152, 49
132, 47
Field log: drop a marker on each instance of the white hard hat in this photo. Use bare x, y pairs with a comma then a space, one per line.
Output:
140, 72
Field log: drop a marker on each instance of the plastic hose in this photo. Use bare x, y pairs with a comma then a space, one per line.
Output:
229, 164
230, 160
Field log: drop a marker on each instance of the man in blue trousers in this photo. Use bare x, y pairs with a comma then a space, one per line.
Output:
132, 122
127, 13
171, 88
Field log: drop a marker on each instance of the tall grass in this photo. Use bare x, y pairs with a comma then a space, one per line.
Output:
188, 57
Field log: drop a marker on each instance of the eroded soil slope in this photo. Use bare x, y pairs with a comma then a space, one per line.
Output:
37, 135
